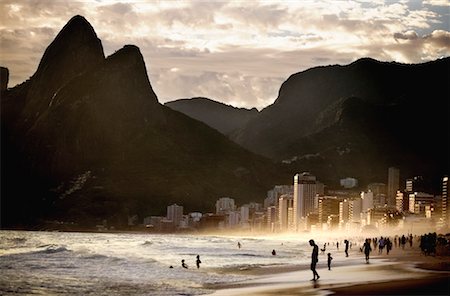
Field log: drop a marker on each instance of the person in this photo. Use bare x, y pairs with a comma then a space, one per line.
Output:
403, 241
367, 249
184, 264
346, 242
239, 245
198, 261
329, 260
314, 259
273, 252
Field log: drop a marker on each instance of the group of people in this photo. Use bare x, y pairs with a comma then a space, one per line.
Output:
184, 265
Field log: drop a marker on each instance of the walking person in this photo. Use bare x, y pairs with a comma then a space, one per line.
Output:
367, 249
314, 259
346, 242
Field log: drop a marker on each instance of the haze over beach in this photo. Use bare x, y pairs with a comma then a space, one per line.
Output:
243, 139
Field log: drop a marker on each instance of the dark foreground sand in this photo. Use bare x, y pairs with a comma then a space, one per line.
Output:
402, 272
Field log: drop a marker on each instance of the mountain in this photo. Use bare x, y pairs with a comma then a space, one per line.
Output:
85, 139
224, 118
357, 120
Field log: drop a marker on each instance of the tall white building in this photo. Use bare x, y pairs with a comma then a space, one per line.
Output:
355, 209
245, 215
393, 185
305, 190
367, 201
344, 213
175, 214
445, 218
284, 203
225, 205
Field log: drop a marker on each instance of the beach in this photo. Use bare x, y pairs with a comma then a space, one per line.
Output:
70, 263
402, 272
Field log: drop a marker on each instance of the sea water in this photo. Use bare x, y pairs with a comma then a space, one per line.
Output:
135, 264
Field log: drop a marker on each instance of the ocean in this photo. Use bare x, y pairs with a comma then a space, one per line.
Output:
49, 263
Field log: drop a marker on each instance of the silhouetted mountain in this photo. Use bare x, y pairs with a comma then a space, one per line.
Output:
224, 118
85, 139
357, 120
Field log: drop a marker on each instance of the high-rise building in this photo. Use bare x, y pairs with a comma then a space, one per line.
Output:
225, 205
418, 202
344, 212
175, 214
367, 201
415, 184
271, 217
305, 190
245, 215
355, 209
328, 205
285, 202
393, 185
401, 201
445, 209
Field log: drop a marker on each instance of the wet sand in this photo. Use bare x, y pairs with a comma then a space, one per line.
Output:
402, 272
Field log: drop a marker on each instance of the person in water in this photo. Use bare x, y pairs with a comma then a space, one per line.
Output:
184, 264
198, 261
314, 259
239, 245
273, 252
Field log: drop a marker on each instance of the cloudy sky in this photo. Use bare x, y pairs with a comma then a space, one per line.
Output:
236, 52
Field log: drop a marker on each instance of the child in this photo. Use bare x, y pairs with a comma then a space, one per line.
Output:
329, 261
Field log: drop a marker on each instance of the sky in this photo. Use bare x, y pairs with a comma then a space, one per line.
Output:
235, 52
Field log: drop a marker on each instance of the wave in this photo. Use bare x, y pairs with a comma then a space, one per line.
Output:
51, 249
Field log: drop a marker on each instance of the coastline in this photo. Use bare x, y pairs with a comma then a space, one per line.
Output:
402, 272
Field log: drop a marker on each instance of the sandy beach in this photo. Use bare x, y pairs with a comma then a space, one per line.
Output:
402, 272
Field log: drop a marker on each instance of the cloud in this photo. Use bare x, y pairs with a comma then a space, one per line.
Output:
408, 35
233, 51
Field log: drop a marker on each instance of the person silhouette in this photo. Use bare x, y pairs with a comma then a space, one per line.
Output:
239, 245
184, 265
314, 259
273, 252
346, 242
198, 261
367, 249
329, 260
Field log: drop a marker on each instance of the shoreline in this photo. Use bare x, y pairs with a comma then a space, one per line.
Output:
403, 272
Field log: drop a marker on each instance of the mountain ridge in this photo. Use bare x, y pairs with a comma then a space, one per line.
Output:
222, 117
95, 144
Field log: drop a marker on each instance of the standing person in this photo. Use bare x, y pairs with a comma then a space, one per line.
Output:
367, 249
346, 242
239, 245
329, 260
314, 259
198, 261
403, 241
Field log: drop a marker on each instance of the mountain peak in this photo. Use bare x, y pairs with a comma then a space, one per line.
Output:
75, 50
